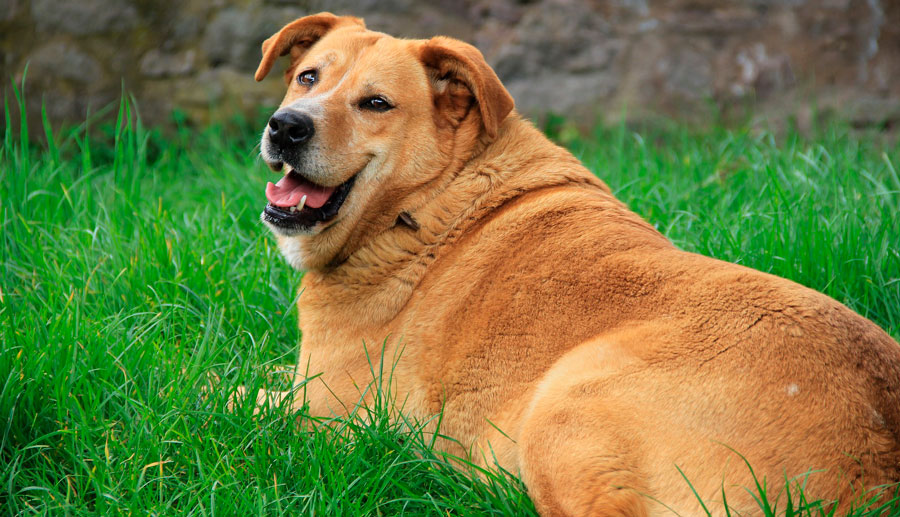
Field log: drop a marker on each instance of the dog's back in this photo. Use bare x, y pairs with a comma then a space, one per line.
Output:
640, 357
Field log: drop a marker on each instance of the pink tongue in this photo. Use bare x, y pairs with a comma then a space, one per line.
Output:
291, 188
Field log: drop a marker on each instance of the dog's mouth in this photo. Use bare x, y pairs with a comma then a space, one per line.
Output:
295, 203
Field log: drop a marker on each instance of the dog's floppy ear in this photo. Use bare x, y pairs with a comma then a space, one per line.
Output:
296, 38
459, 73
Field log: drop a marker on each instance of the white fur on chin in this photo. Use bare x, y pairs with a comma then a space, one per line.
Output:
289, 245
292, 251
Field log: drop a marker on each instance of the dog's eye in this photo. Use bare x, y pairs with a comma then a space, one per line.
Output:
375, 104
307, 78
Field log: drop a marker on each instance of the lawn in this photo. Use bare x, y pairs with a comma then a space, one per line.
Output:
133, 263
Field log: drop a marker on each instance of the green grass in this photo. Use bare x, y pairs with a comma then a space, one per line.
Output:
133, 264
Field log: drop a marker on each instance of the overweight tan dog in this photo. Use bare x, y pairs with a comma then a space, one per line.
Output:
557, 331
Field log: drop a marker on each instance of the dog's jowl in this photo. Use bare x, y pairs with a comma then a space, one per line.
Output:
560, 333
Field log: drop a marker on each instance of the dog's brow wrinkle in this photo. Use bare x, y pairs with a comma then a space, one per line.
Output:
315, 101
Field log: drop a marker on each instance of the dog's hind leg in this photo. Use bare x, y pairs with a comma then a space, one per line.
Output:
574, 463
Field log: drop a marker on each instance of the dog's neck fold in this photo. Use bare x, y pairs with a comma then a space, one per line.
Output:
382, 273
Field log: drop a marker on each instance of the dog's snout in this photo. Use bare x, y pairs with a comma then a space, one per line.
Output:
287, 127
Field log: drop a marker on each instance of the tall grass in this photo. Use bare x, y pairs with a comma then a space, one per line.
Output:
133, 264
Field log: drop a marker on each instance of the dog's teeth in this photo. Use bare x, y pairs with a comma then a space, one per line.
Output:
293, 209
302, 203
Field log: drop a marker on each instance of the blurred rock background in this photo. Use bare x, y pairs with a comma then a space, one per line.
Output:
587, 60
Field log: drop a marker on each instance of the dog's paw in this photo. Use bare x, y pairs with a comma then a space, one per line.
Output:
210, 384
236, 398
265, 400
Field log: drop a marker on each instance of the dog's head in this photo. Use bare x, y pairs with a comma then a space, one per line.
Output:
368, 123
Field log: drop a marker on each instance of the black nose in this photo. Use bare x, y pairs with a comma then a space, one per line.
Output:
287, 127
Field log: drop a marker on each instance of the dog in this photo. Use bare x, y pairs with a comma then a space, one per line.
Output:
562, 336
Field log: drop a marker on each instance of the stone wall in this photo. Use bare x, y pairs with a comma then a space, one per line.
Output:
683, 58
